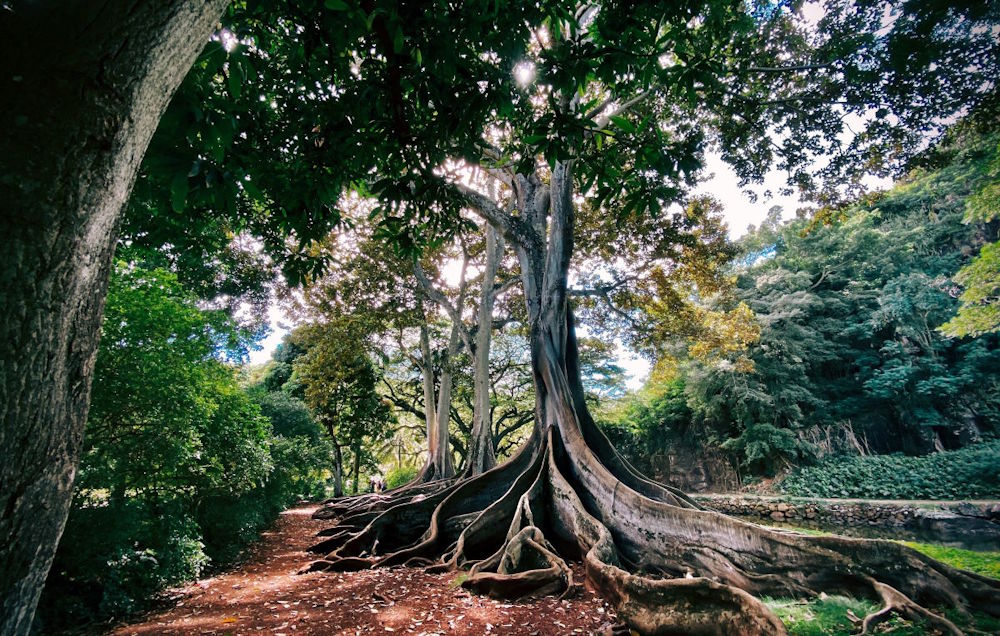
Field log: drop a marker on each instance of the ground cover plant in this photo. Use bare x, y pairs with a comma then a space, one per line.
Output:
972, 472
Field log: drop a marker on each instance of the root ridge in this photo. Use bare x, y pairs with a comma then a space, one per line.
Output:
668, 567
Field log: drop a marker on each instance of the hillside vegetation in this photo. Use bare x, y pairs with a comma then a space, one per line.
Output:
850, 358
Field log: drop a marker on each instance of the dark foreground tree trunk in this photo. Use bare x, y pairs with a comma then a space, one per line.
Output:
82, 87
668, 566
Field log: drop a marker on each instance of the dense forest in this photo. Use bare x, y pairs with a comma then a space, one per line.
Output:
852, 353
464, 221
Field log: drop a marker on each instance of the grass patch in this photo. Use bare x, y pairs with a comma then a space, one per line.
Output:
985, 563
829, 616
824, 616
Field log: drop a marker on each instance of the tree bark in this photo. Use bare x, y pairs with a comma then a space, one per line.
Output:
443, 465
338, 470
82, 88
357, 469
481, 455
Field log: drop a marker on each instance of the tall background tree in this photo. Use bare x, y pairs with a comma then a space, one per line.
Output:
340, 384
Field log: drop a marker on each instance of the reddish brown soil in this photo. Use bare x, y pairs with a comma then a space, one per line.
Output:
266, 596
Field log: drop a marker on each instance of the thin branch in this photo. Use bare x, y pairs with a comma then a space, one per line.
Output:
785, 69
438, 297
603, 122
603, 290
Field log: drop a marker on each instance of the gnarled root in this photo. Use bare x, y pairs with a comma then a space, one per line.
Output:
667, 566
368, 503
897, 603
528, 567
416, 526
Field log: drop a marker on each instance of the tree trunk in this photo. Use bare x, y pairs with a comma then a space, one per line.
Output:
432, 466
357, 469
83, 88
338, 470
481, 455
430, 417
443, 465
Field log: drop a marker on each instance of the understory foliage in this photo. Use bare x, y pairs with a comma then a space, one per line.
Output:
970, 473
182, 466
851, 356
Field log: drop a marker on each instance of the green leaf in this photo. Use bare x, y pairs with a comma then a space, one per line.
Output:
178, 192
336, 5
397, 41
235, 81
253, 191
623, 123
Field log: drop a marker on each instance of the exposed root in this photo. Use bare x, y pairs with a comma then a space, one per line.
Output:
346, 564
374, 503
897, 603
668, 567
529, 567
416, 526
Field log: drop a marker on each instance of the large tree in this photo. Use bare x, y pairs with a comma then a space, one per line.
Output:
621, 106
84, 85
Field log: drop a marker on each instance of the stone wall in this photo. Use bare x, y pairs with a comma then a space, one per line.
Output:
693, 469
974, 525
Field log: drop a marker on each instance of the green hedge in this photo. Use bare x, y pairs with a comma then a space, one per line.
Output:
970, 473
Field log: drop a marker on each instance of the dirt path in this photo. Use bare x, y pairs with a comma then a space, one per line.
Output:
266, 596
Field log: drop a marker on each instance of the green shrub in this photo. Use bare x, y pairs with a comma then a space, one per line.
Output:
180, 466
764, 449
113, 558
401, 476
969, 473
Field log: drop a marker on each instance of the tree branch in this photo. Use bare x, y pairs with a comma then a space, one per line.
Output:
603, 122
438, 297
